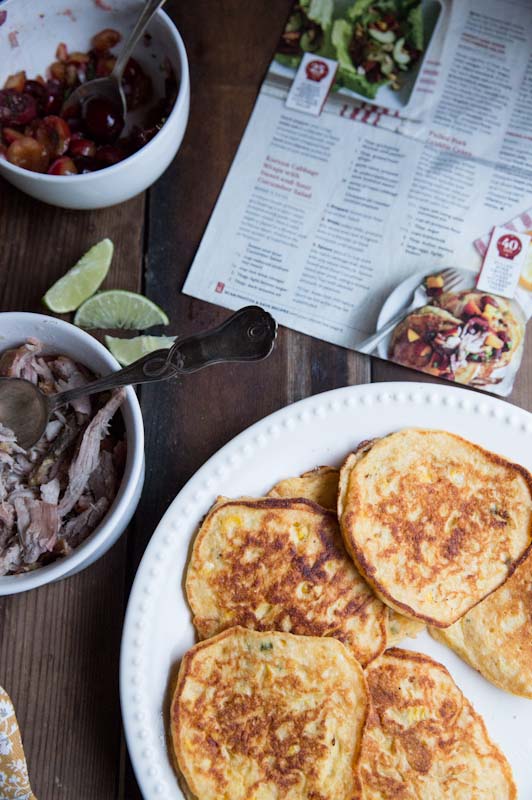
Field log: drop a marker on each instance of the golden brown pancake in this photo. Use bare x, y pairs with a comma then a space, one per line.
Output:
269, 715
321, 486
280, 564
401, 627
423, 738
495, 637
433, 522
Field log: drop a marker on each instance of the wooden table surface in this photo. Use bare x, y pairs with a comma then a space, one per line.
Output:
59, 645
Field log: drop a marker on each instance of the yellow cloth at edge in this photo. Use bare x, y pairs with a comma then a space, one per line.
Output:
14, 780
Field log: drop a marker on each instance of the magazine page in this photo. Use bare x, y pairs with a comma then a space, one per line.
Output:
333, 220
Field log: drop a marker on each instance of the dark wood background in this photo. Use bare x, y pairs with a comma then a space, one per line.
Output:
59, 645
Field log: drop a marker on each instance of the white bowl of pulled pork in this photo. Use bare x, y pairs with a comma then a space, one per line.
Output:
65, 501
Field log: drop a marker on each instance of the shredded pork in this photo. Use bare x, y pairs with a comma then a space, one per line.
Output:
55, 494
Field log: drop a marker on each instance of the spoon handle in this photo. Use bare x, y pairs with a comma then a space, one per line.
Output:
248, 335
124, 55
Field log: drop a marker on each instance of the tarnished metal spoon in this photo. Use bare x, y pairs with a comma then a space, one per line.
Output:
248, 335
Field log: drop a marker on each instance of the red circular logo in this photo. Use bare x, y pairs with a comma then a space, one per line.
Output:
509, 246
317, 70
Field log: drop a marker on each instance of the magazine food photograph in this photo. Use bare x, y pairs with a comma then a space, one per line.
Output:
265, 400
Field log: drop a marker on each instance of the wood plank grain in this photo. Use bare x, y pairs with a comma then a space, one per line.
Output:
196, 416
59, 645
40, 242
188, 421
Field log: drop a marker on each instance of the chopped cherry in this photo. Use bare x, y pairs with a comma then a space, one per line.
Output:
170, 94
58, 70
55, 96
16, 108
61, 53
78, 58
85, 164
71, 76
63, 166
35, 131
136, 84
105, 40
16, 82
10, 134
109, 155
141, 136
76, 126
80, 146
103, 120
104, 66
29, 154
38, 92
54, 133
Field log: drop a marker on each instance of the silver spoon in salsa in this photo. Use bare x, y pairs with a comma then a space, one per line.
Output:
101, 103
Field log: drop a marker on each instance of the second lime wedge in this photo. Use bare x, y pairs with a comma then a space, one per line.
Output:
126, 351
119, 309
80, 282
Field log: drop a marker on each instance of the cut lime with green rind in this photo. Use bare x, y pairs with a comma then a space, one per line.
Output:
117, 308
80, 282
126, 351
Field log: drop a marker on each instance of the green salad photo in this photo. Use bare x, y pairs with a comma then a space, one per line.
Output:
376, 42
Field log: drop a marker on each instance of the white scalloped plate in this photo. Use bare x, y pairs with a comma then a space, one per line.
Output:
314, 431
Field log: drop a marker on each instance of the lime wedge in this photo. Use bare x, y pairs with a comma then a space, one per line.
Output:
126, 351
119, 309
80, 282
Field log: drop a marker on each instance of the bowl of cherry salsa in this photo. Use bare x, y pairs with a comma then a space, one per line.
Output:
90, 155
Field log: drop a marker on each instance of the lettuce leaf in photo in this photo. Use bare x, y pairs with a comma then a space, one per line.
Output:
347, 75
415, 20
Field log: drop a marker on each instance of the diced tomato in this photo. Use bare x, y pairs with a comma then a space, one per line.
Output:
105, 40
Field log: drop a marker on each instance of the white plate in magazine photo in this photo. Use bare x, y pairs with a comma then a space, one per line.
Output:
401, 297
434, 12
316, 431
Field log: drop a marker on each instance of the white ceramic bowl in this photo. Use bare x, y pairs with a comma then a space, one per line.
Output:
28, 41
62, 337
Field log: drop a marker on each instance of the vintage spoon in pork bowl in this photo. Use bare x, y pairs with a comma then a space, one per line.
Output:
248, 335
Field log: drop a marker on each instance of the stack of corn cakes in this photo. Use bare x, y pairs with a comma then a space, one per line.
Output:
298, 689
